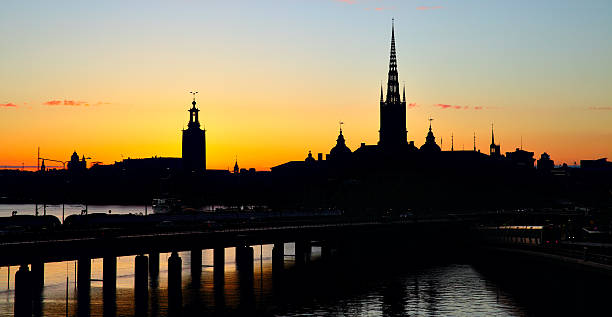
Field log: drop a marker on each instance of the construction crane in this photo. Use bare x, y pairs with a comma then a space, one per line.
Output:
52, 160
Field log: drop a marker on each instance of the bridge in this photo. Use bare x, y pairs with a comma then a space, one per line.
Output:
467, 233
332, 235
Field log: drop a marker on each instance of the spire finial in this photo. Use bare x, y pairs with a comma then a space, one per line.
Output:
430, 120
452, 142
474, 141
340, 124
381, 91
194, 93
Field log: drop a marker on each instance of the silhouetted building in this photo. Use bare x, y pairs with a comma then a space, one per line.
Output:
42, 166
430, 142
521, 158
340, 152
76, 165
236, 168
393, 132
309, 159
194, 143
494, 149
545, 163
601, 164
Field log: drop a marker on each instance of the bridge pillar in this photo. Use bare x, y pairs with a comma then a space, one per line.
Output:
219, 265
38, 274
278, 257
326, 252
83, 285
302, 252
23, 292
245, 260
154, 265
175, 296
196, 262
109, 277
141, 284
109, 285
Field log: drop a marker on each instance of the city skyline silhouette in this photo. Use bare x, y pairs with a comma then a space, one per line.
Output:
297, 108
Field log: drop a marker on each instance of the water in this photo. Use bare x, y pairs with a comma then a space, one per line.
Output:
371, 284
70, 209
448, 289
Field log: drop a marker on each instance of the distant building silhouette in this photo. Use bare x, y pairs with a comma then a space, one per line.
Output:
392, 132
340, 152
76, 165
601, 164
194, 143
545, 163
521, 158
430, 141
494, 149
236, 168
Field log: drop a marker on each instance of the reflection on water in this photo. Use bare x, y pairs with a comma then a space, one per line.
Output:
318, 288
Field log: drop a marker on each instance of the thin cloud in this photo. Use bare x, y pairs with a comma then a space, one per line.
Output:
412, 105
8, 104
347, 1
429, 7
457, 107
380, 9
600, 108
73, 103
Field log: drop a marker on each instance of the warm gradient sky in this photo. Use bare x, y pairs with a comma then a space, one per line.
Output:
111, 78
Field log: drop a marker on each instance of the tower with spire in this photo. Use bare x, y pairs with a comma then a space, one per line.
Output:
430, 141
392, 132
494, 149
194, 142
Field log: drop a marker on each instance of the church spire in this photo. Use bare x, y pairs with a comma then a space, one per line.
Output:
193, 113
404, 93
492, 135
381, 92
392, 82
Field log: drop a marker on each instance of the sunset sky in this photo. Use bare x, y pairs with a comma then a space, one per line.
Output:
111, 79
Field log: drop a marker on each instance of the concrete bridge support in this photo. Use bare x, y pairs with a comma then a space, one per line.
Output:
154, 265
244, 260
23, 292
141, 284
196, 262
109, 285
302, 252
219, 265
326, 252
38, 274
175, 296
278, 257
83, 285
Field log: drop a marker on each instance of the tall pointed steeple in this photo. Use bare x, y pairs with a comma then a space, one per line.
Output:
404, 94
393, 110
494, 149
381, 92
392, 81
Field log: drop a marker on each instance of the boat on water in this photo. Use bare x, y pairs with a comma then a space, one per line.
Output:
166, 205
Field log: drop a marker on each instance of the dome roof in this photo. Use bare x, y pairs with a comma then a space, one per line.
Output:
340, 150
